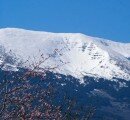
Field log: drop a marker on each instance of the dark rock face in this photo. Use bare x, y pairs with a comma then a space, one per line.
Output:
111, 98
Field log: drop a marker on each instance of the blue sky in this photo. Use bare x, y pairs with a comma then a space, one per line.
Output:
108, 19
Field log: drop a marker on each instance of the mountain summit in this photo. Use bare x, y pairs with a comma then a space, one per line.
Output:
83, 55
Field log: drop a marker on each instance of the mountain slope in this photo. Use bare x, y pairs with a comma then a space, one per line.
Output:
83, 54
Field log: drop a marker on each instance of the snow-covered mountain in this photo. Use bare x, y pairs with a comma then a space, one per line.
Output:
71, 53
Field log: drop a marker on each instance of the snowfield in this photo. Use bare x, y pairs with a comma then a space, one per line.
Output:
71, 53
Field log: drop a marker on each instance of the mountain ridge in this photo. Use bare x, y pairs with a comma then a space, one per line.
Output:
83, 54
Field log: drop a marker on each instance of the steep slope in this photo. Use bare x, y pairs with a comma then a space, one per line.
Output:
71, 53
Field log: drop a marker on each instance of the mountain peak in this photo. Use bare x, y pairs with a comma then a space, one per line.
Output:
83, 54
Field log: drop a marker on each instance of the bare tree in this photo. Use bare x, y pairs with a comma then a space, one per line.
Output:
20, 99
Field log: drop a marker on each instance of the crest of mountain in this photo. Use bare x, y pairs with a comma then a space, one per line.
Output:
71, 53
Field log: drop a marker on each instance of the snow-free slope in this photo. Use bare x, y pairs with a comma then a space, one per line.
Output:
72, 53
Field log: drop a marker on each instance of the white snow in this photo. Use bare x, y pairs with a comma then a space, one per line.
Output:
83, 55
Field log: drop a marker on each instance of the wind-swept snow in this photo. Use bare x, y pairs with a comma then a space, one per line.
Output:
83, 54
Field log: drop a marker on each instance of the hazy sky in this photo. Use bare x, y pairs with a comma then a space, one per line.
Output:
108, 19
